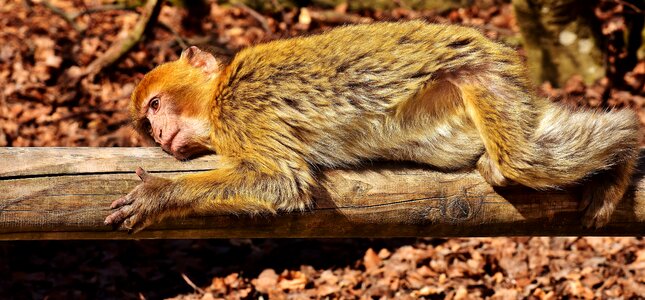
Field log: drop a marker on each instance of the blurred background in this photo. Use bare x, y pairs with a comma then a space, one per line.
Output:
67, 69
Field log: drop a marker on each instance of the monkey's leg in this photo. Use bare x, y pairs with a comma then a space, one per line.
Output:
506, 126
236, 187
491, 172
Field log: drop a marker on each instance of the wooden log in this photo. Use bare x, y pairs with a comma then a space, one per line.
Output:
64, 193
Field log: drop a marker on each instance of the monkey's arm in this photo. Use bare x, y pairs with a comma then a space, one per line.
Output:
235, 186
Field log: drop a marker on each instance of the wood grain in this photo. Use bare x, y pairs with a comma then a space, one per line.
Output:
64, 193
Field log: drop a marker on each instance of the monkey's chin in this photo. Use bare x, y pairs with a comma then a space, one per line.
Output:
177, 152
180, 156
190, 151
181, 153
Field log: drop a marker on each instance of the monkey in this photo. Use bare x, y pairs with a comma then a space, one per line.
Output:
440, 95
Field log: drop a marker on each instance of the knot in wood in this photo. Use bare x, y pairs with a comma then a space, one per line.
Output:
459, 209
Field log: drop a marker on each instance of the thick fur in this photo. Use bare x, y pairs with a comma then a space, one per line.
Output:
442, 95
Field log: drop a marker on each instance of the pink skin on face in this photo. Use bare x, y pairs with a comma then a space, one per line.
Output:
176, 134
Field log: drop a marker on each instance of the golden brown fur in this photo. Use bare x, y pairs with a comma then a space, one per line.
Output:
442, 95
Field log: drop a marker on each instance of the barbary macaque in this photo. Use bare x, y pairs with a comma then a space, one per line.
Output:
440, 95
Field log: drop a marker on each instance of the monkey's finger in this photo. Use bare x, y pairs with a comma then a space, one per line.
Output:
119, 215
142, 174
127, 224
125, 200
114, 218
134, 223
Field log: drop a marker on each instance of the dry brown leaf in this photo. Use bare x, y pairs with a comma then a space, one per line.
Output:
266, 281
292, 280
371, 260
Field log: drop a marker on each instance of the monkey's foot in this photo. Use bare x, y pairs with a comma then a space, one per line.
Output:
596, 217
491, 172
597, 207
142, 206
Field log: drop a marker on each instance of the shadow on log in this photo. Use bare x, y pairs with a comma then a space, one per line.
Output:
64, 193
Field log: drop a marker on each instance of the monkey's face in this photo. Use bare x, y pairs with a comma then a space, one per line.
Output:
171, 106
180, 135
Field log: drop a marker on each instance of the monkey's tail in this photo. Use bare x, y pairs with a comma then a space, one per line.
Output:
601, 147
573, 144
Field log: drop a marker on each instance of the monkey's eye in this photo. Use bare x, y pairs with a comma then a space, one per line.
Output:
154, 104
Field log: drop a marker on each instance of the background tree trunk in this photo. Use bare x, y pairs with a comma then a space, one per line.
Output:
561, 38
625, 42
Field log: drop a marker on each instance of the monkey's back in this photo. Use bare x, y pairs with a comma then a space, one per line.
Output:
335, 93
370, 66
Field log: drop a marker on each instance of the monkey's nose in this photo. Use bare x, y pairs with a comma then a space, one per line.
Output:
160, 134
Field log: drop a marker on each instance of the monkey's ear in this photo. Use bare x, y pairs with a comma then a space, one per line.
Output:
200, 59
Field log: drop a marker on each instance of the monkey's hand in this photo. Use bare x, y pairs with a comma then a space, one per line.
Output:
144, 205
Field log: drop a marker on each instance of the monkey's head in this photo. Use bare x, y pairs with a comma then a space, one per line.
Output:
171, 104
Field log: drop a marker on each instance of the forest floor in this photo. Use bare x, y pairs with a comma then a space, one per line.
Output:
43, 104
